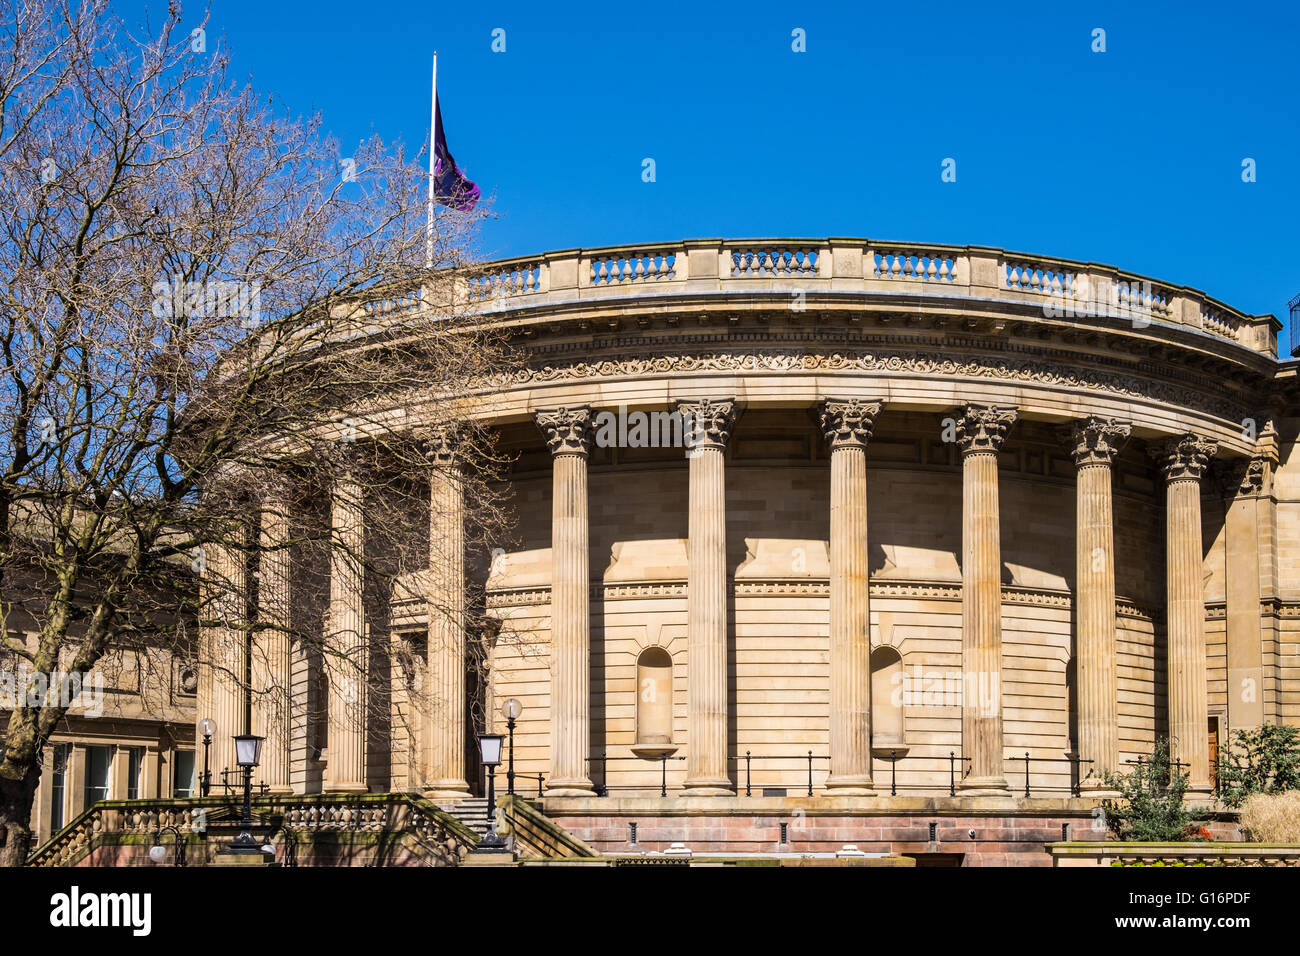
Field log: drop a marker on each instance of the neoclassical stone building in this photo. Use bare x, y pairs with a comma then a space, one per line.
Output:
898, 545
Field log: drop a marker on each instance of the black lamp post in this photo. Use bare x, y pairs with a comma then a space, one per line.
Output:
248, 754
489, 746
511, 709
207, 727
158, 852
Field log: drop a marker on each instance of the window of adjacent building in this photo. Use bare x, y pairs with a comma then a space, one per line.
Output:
134, 769
99, 769
58, 786
183, 773
654, 702
887, 698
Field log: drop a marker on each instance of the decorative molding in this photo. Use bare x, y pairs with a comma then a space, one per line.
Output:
981, 429
938, 363
1098, 441
710, 421
568, 431
803, 587
1184, 458
848, 423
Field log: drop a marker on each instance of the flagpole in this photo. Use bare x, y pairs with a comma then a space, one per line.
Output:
433, 132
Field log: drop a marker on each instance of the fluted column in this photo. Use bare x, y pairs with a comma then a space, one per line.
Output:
223, 657
1096, 443
1183, 461
980, 432
271, 665
345, 643
847, 426
444, 726
1247, 480
568, 433
709, 424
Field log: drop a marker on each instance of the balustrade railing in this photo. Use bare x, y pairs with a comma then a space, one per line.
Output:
924, 266
780, 261
1077, 289
633, 267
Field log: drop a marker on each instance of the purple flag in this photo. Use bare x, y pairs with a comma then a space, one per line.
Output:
451, 188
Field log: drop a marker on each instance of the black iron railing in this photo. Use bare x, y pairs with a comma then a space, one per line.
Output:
602, 786
1073, 760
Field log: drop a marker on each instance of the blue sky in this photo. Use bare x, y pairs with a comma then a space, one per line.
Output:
1131, 157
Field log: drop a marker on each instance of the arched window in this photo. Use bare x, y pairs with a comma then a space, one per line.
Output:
654, 700
887, 700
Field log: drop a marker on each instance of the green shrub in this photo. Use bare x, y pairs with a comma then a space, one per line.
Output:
1264, 760
1150, 805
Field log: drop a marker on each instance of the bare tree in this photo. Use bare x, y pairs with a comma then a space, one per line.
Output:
202, 298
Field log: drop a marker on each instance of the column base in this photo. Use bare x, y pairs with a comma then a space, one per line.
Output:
1097, 789
570, 787
710, 787
1200, 789
442, 791
345, 788
983, 787
851, 785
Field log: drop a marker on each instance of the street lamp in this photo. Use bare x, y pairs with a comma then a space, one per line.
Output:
489, 748
158, 852
511, 709
248, 754
207, 727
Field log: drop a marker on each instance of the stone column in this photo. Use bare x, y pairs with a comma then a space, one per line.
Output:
443, 746
981, 429
847, 426
345, 641
709, 425
223, 649
271, 666
1096, 443
1246, 482
568, 433
1183, 461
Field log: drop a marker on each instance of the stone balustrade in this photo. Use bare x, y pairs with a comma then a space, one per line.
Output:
1059, 286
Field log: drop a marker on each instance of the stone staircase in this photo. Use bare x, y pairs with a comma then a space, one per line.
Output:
472, 811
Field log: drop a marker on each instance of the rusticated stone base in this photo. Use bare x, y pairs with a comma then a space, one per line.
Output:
1007, 831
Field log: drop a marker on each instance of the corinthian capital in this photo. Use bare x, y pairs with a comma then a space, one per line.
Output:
1097, 441
983, 428
1243, 476
567, 430
1185, 457
708, 421
440, 446
848, 424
